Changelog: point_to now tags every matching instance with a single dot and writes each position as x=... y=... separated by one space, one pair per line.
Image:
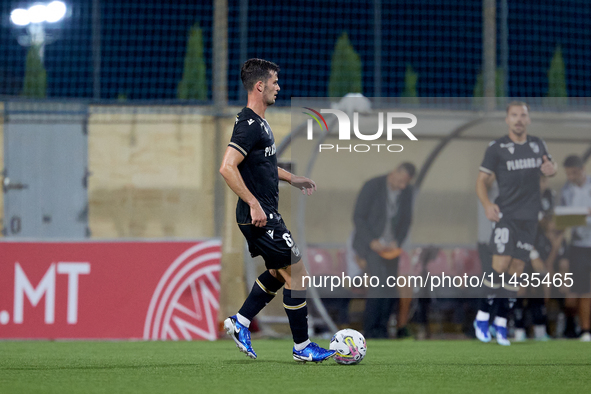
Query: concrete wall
x=153 y=171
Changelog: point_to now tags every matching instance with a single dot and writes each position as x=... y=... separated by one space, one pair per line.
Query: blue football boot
x=481 y=330
x=312 y=352
x=492 y=329
x=240 y=334
x=501 y=335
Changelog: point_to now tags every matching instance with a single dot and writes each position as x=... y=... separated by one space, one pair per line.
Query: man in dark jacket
x=382 y=218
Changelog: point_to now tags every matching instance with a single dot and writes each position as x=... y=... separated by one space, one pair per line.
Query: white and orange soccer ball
x=350 y=346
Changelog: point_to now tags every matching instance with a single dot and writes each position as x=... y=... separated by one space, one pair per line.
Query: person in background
x=577 y=193
x=382 y=218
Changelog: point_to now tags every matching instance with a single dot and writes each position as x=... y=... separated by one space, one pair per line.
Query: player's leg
x=580 y=267
x=295 y=304
x=519 y=315
x=378 y=306
x=371 y=317
x=506 y=295
x=540 y=319
x=485 y=304
x=585 y=317
x=570 y=312
x=402 y=320
x=515 y=239
x=495 y=298
x=263 y=291
x=504 y=304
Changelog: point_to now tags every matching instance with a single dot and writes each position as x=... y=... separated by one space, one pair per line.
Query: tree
x=557 y=80
x=345 y=69
x=499 y=88
x=193 y=85
x=35 y=83
x=499 y=84
x=409 y=93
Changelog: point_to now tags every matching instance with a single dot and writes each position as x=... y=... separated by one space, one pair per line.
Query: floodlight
x=20 y=17
x=56 y=11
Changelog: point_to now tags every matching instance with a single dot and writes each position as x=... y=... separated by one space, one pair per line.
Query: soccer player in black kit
x=517 y=160
x=250 y=169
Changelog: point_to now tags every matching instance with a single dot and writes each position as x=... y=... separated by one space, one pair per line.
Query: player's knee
x=277 y=275
x=299 y=269
x=501 y=263
x=516 y=267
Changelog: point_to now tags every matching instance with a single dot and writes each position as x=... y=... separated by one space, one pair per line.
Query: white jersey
x=575 y=196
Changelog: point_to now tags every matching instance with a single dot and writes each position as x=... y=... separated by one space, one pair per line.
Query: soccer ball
x=350 y=346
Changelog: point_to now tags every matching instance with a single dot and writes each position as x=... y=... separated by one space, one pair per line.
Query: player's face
x=518 y=119
x=398 y=179
x=575 y=175
x=271 y=89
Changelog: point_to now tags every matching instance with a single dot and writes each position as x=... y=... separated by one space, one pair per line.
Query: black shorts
x=514 y=238
x=273 y=242
x=485 y=255
x=580 y=266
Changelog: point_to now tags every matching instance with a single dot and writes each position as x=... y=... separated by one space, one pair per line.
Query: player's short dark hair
x=409 y=168
x=573 y=161
x=517 y=104
x=254 y=70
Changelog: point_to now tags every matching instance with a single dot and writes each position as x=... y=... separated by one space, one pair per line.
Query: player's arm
x=556 y=239
x=482 y=183
x=363 y=228
x=549 y=166
x=306 y=185
x=229 y=170
x=485 y=179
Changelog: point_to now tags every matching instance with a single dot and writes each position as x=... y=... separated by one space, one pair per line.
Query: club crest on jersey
x=535 y=147
x=510 y=147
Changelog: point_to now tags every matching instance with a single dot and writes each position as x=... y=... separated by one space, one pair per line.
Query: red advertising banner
x=110 y=290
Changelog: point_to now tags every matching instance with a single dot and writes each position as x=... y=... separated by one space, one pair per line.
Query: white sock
x=482 y=316
x=301 y=346
x=540 y=331
x=501 y=321
x=243 y=320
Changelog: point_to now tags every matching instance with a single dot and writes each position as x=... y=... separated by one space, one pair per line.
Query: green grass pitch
x=217 y=367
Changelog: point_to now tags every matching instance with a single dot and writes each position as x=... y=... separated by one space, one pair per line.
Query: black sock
x=297 y=313
x=485 y=304
x=570 y=328
x=518 y=313
x=505 y=306
x=538 y=308
x=492 y=292
x=263 y=291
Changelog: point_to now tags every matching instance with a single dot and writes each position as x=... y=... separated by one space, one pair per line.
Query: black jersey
x=252 y=136
x=517 y=169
